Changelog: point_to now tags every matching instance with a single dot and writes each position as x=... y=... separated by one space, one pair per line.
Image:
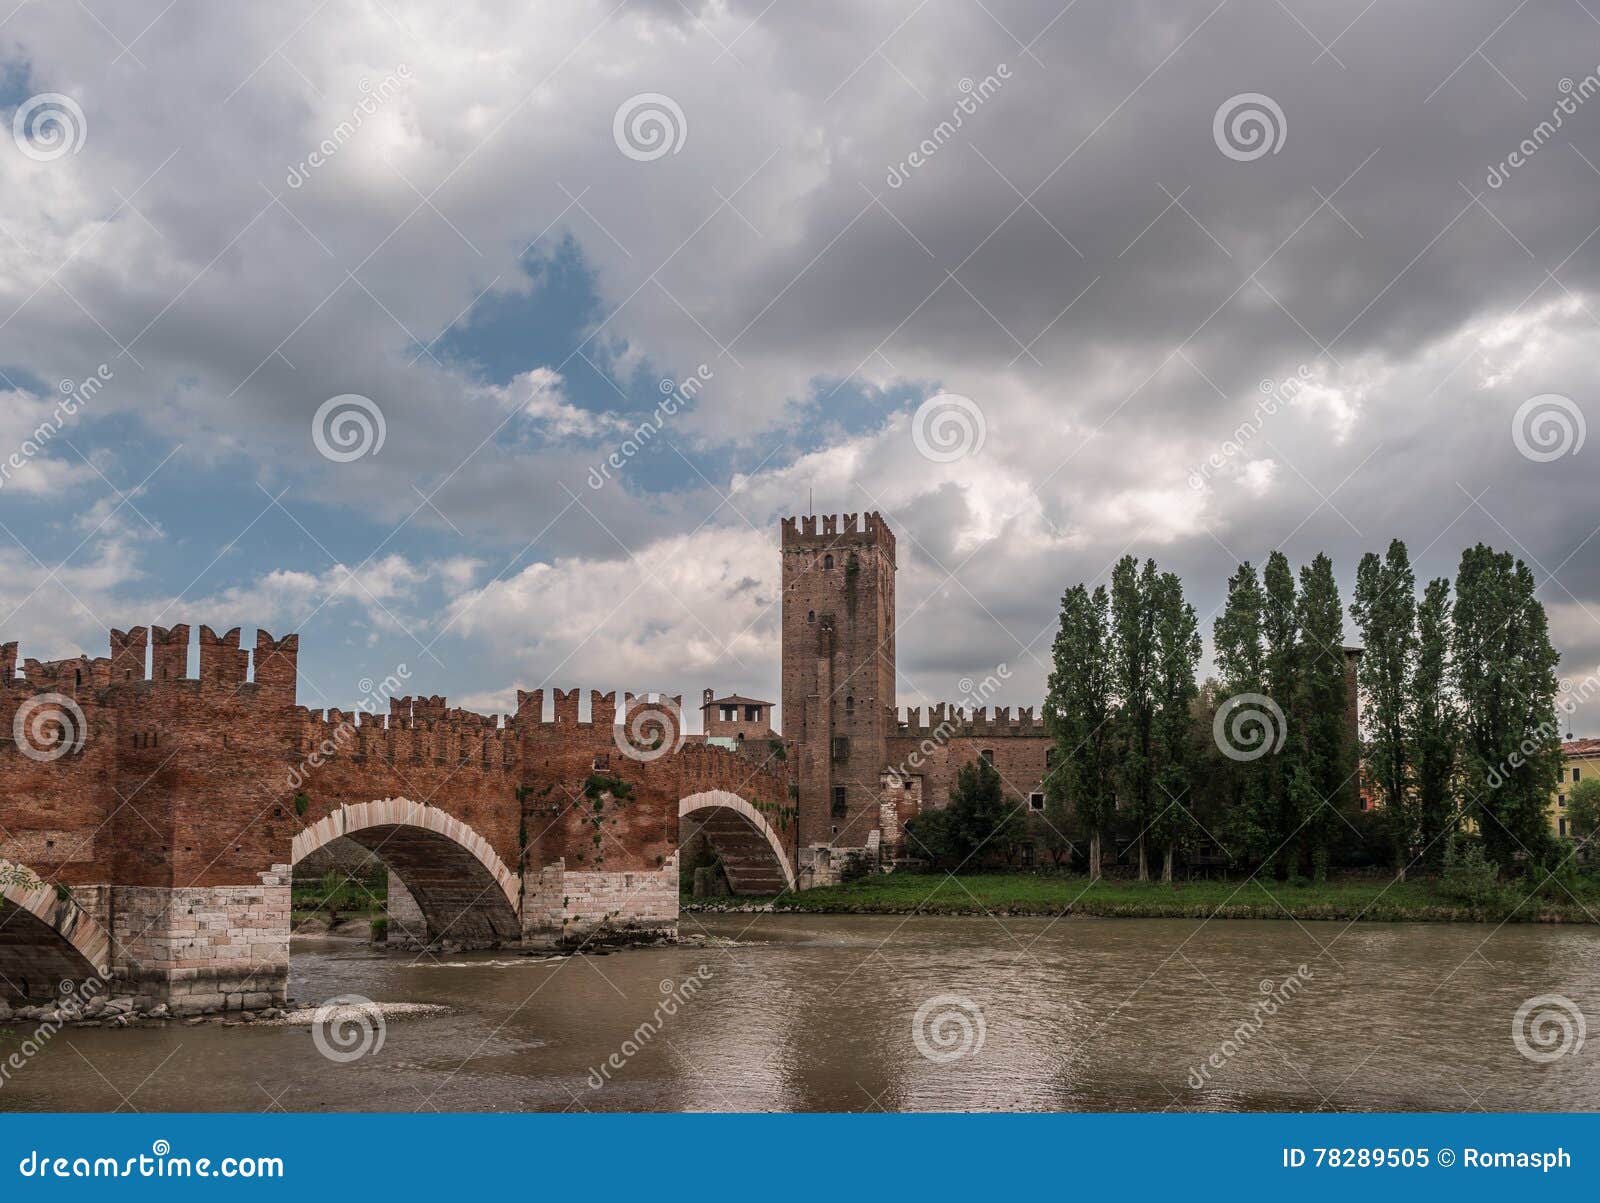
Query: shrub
x=1469 y=876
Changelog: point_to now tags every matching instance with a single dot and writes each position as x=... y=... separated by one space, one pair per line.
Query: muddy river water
x=849 y=1013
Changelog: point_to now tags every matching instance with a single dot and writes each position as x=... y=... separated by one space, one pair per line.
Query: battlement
x=222 y=662
x=602 y=707
x=837 y=530
x=947 y=721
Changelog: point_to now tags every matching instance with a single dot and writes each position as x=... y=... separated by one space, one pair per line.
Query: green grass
x=1050 y=894
x=347 y=897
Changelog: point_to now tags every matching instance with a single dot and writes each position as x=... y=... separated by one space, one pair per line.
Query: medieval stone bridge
x=150 y=821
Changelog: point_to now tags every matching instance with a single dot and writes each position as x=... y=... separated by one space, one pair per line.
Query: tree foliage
x=979 y=821
x=1434 y=721
x=1583 y=810
x=1504 y=673
x=1384 y=608
x=1077 y=714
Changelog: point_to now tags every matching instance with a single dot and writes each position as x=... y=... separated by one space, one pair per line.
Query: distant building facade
x=736 y=717
x=1580 y=759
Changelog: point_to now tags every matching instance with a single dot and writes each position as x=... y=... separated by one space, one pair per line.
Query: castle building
x=736 y=718
x=859 y=768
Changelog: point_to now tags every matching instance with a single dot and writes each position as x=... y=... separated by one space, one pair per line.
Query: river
x=790 y=1012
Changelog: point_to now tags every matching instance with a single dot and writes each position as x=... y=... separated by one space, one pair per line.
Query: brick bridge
x=150 y=821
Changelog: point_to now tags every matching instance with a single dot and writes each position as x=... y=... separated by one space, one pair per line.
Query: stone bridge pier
x=150 y=819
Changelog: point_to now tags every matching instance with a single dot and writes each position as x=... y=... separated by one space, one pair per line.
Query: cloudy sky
x=1113 y=230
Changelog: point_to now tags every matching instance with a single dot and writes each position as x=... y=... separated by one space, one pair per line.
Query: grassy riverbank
x=1043 y=894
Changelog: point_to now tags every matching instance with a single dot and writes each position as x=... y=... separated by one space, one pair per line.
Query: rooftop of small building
x=734 y=699
x=1581 y=747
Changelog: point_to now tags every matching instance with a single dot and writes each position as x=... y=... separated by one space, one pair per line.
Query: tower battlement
x=817 y=531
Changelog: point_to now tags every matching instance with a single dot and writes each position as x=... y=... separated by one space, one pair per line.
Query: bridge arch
x=46 y=939
x=465 y=891
x=753 y=856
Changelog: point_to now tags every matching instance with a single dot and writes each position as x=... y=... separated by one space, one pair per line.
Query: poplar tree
x=1322 y=773
x=1177 y=656
x=1132 y=665
x=1281 y=652
x=1238 y=638
x=1384 y=608
x=1078 y=715
x=1433 y=724
x=1504 y=671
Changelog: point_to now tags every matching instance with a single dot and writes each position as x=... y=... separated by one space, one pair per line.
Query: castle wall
x=931 y=752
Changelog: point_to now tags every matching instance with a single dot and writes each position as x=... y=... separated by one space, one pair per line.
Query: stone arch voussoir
x=712 y=800
x=88 y=940
x=402 y=813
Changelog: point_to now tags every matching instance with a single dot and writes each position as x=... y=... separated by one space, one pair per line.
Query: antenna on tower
x=809 y=510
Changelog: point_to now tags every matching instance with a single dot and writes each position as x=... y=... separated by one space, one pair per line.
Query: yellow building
x=1580 y=758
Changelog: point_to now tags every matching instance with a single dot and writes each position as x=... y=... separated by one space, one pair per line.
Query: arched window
x=850 y=704
x=811 y=616
x=827 y=563
x=988 y=755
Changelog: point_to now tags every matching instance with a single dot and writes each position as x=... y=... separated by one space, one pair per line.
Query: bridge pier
x=203 y=949
x=563 y=907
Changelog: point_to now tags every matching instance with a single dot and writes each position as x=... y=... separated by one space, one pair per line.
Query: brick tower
x=838 y=672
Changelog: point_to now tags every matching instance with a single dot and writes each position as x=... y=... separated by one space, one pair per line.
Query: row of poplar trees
x=1458 y=699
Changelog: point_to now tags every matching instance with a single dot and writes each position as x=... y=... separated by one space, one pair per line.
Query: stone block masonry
x=568 y=907
x=205 y=949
